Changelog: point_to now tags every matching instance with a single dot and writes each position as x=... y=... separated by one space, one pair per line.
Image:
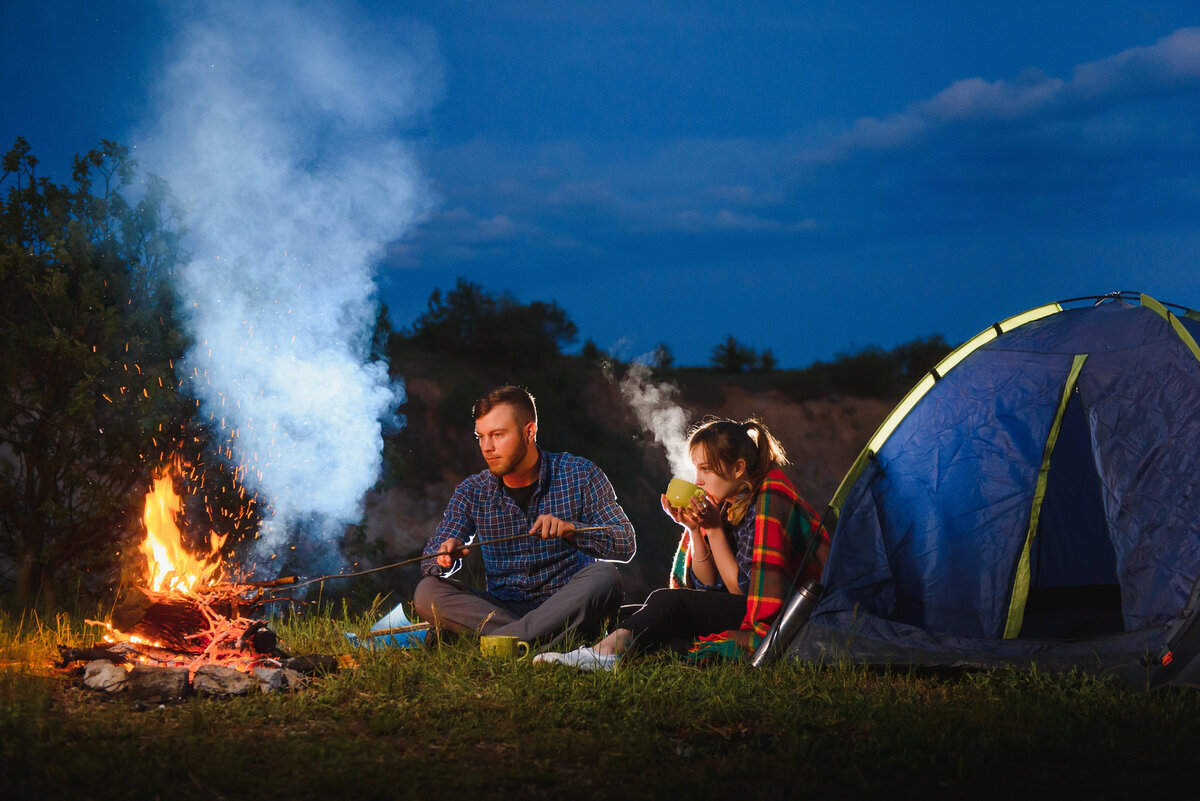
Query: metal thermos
x=788 y=623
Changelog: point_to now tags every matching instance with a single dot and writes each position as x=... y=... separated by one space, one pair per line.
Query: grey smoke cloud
x=280 y=126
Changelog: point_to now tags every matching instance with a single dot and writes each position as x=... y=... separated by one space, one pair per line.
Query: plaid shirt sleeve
x=617 y=542
x=457 y=523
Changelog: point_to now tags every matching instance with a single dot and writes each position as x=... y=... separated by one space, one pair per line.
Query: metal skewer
x=290 y=581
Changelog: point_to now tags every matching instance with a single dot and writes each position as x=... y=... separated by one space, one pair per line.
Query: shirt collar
x=543 y=478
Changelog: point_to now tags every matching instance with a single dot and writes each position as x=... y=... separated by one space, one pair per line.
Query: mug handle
x=522 y=644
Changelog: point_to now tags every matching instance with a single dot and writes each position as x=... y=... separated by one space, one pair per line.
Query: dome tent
x=1034 y=500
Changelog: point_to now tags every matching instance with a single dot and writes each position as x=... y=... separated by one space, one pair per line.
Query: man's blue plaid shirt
x=530 y=568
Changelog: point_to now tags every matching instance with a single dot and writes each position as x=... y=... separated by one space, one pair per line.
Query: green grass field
x=444 y=722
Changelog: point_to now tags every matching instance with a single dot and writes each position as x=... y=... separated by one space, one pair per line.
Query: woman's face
x=709 y=475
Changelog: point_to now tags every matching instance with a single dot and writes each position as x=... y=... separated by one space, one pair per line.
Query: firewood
x=183 y=622
x=105 y=651
x=311 y=664
x=160 y=617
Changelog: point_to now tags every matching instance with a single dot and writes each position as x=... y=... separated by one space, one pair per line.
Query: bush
x=474 y=325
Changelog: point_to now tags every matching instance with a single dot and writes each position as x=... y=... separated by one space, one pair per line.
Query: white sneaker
x=583 y=658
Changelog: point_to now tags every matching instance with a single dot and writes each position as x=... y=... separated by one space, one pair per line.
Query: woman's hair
x=726 y=441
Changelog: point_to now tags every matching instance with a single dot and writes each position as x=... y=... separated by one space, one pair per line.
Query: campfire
x=183 y=613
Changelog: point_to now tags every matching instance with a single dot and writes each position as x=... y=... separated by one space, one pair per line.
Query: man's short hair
x=523 y=404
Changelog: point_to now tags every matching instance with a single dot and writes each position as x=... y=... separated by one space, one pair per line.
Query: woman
x=741 y=548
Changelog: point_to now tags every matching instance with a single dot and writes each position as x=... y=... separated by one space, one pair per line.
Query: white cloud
x=1170 y=66
x=1032 y=147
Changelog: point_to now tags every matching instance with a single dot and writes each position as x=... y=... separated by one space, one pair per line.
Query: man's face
x=502 y=441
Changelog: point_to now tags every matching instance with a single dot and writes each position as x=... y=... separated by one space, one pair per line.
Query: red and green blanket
x=784 y=526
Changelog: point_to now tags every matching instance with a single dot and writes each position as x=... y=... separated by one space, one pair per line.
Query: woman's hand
x=699 y=513
x=680 y=516
x=701 y=516
x=706 y=513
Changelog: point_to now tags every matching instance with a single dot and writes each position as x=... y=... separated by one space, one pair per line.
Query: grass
x=444 y=721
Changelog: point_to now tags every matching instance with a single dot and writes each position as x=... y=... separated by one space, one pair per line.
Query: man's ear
x=531 y=433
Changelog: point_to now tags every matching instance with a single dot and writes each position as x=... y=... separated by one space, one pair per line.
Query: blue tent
x=1034 y=500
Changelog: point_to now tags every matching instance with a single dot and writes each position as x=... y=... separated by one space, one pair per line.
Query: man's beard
x=504 y=468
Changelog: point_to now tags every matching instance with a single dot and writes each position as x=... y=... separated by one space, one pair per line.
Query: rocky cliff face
x=822 y=437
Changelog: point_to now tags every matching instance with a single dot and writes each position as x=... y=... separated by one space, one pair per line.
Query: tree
x=472 y=324
x=918 y=357
x=872 y=371
x=591 y=352
x=87 y=342
x=731 y=356
x=767 y=361
x=661 y=358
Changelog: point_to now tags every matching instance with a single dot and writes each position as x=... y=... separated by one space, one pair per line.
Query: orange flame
x=169 y=566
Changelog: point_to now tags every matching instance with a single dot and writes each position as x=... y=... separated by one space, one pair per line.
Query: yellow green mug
x=680 y=493
x=503 y=646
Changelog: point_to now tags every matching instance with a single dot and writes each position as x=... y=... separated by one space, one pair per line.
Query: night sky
x=811 y=178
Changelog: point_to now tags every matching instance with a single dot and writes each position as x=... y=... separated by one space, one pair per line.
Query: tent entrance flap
x=1073 y=589
x=1021 y=580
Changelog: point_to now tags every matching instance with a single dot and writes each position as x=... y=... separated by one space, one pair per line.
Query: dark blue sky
x=809 y=177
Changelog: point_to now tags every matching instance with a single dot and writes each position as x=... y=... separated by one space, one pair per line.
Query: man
x=539 y=587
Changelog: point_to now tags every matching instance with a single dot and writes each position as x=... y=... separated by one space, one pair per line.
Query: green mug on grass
x=503 y=646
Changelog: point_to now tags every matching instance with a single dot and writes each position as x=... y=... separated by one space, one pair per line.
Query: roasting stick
x=454 y=552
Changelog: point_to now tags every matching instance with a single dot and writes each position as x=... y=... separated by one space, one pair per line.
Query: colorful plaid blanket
x=784 y=526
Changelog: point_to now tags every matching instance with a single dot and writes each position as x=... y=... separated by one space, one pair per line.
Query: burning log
x=110 y=652
x=169 y=618
x=203 y=626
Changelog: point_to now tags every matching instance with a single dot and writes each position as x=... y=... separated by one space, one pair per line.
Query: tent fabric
x=947 y=548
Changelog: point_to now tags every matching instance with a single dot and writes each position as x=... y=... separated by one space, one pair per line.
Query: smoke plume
x=280 y=126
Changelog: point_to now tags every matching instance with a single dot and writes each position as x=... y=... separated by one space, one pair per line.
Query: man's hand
x=550 y=526
x=445 y=550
